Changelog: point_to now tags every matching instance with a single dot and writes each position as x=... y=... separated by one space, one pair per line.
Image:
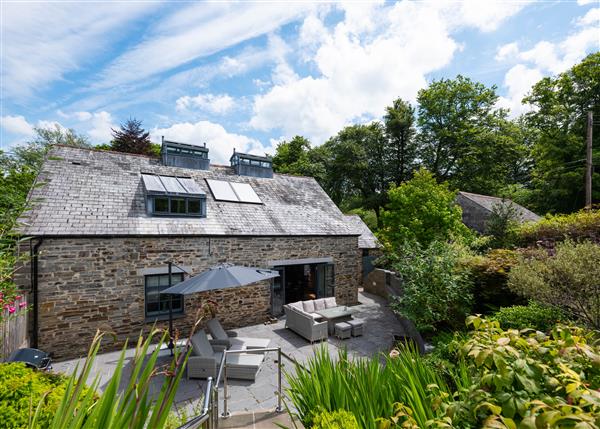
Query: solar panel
x=153 y=184
x=245 y=192
x=222 y=190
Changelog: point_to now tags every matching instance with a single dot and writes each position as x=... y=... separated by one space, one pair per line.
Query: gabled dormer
x=184 y=155
x=246 y=164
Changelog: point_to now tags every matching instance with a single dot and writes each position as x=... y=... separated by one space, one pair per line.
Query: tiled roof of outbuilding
x=88 y=192
x=488 y=202
x=367 y=239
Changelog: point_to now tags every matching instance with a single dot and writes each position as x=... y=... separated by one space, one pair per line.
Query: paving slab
x=247 y=396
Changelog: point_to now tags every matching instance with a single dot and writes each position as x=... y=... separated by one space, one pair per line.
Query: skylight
x=232 y=191
x=170 y=185
x=173 y=196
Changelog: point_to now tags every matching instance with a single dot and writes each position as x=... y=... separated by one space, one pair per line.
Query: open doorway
x=301 y=282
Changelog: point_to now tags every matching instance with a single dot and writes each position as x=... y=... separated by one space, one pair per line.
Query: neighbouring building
x=476 y=210
x=104 y=226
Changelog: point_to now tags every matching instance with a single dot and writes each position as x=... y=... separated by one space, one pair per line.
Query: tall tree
x=132 y=138
x=560 y=111
x=299 y=158
x=399 y=122
x=357 y=166
x=464 y=137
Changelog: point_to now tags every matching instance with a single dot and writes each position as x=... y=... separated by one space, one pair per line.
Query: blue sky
x=248 y=74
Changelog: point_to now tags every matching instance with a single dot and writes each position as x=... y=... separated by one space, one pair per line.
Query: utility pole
x=588 y=169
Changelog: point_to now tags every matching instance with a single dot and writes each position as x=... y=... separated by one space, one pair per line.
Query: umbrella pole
x=171 y=344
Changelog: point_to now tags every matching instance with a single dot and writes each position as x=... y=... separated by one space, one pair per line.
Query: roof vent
x=245 y=164
x=184 y=155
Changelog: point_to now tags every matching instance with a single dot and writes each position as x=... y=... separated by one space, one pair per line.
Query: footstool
x=357 y=327
x=343 y=330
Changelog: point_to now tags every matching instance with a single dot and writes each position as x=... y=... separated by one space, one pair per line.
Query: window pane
x=161 y=205
x=156 y=303
x=193 y=206
x=178 y=205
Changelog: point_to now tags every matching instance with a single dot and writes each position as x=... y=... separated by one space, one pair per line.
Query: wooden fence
x=13 y=327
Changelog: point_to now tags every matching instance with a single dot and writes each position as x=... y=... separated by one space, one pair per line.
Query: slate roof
x=86 y=192
x=367 y=239
x=488 y=202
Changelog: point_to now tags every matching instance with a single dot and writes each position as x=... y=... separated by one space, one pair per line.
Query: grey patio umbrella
x=221 y=277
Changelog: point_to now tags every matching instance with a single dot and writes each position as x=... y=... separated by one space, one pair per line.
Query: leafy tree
x=356 y=166
x=401 y=149
x=132 y=138
x=561 y=105
x=464 y=137
x=297 y=157
x=422 y=210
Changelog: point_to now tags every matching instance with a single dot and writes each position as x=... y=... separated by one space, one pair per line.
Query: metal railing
x=209 y=417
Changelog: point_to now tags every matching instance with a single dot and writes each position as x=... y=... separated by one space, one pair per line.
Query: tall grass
x=366 y=387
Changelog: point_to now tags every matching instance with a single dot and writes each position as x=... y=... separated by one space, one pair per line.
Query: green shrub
x=422 y=210
x=534 y=316
x=519 y=379
x=22 y=388
x=502 y=224
x=489 y=273
x=568 y=279
x=340 y=419
x=436 y=289
x=580 y=225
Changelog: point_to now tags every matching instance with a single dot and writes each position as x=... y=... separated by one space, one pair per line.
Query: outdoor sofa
x=206 y=358
x=221 y=337
x=301 y=318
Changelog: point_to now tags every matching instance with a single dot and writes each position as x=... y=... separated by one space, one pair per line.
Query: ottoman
x=343 y=330
x=357 y=327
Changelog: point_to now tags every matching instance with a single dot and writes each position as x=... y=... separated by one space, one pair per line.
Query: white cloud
x=519 y=80
x=585 y=2
x=198 y=31
x=484 y=15
x=44 y=41
x=507 y=52
x=592 y=17
x=217 y=104
x=97 y=125
x=358 y=76
x=219 y=141
x=17 y=125
x=546 y=57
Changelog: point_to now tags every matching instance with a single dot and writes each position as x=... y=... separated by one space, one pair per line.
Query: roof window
x=184 y=155
x=173 y=196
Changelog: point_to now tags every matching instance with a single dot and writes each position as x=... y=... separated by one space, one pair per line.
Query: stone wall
x=90 y=283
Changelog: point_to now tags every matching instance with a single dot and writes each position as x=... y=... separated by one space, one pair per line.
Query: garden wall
x=98 y=283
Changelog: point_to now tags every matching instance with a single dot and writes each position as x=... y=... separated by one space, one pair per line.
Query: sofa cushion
x=308 y=306
x=216 y=330
x=296 y=305
x=330 y=302
x=200 y=345
x=320 y=304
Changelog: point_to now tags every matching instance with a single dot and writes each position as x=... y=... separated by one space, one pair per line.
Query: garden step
x=257 y=420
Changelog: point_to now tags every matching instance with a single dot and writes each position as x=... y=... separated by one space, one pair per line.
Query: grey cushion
x=330 y=302
x=216 y=330
x=200 y=344
x=297 y=305
x=319 y=304
x=308 y=306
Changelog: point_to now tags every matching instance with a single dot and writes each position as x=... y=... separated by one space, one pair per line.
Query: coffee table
x=335 y=315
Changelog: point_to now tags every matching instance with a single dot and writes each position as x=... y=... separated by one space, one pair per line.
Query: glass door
x=278 y=292
x=324 y=280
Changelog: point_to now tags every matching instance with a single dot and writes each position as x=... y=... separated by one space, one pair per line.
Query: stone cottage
x=477 y=208
x=105 y=225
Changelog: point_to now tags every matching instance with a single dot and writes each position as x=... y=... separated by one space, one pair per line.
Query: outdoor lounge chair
x=205 y=359
x=220 y=337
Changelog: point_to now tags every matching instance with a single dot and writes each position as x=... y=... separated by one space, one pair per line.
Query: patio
x=248 y=396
